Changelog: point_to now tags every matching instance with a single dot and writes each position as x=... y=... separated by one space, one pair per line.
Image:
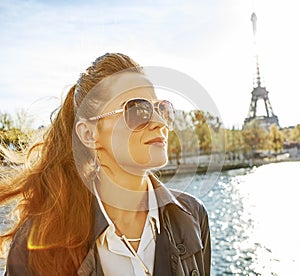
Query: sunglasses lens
x=166 y=110
x=138 y=113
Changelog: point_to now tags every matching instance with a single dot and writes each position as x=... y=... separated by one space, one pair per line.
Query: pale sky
x=45 y=45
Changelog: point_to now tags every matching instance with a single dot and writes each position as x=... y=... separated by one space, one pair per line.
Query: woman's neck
x=125 y=200
x=123 y=191
x=125 y=179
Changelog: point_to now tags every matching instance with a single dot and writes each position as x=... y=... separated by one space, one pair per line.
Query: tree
x=6 y=121
x=234 y=142
x=23 y=120
x=15 y=134
x=174 y=146
x=202 y=130
x=255 y=138
x=275 y=139
x=183 y=141
x=295 y=134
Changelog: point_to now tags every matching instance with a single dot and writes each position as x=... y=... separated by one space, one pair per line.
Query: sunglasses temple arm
x=105 y=115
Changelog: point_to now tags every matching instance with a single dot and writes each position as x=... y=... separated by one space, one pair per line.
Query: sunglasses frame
x=122 y=110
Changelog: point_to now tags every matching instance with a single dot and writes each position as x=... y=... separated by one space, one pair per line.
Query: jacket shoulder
x=198 y=232
x=192 y=204
x=17 y=259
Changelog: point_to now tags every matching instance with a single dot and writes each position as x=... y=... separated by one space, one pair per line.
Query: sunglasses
x=138 y=112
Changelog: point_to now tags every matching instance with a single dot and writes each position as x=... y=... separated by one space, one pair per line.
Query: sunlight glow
x=273 y=225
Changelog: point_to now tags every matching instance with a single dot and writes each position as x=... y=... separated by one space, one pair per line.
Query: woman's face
x=133 y=151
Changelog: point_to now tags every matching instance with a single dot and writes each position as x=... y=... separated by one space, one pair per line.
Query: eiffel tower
x=259 y=95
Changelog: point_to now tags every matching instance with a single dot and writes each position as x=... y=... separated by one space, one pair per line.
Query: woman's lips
x=157 y=141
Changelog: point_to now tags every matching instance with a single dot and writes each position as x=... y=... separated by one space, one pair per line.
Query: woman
x=88 y=203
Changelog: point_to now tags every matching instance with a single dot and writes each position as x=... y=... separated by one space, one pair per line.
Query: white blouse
x=116 y=258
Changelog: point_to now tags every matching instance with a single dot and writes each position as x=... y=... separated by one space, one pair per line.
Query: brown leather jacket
x=182 y=247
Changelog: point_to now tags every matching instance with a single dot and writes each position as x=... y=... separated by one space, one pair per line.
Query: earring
x=97 y=164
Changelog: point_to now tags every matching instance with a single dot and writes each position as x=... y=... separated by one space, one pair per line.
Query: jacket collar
x=164 y=196
x=100 y=222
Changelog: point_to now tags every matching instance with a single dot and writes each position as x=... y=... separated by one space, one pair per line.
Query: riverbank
x=204 y=167
x=188 y=168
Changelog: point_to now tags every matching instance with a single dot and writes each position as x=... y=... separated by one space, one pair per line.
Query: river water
x=253 y=219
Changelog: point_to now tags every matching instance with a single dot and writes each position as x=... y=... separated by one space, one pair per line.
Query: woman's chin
x=139 y=168
x=157 y=163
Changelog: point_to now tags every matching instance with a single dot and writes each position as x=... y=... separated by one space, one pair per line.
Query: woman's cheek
x=125 y=147
x=147 y=156
x=139 y=153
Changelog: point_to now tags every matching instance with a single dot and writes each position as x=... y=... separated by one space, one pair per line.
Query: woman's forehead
x=130 y=85
x=128 y=81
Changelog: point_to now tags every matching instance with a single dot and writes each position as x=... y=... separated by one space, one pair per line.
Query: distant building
x=259 y=96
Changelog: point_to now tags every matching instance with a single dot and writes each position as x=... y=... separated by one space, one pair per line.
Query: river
x=253 y=219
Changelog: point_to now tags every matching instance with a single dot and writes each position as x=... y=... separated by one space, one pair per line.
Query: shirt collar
x=153 y=215
x=153 y=207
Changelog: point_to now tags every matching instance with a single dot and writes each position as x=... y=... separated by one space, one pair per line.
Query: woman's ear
x=86 y=133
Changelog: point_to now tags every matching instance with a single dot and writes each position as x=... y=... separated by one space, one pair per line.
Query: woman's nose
x=157 y=121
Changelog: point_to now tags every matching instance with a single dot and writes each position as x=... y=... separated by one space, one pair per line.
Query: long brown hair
x=50 y=192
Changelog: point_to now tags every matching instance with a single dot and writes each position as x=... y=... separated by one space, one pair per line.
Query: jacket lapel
x=162 y=264
x=91 y=265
